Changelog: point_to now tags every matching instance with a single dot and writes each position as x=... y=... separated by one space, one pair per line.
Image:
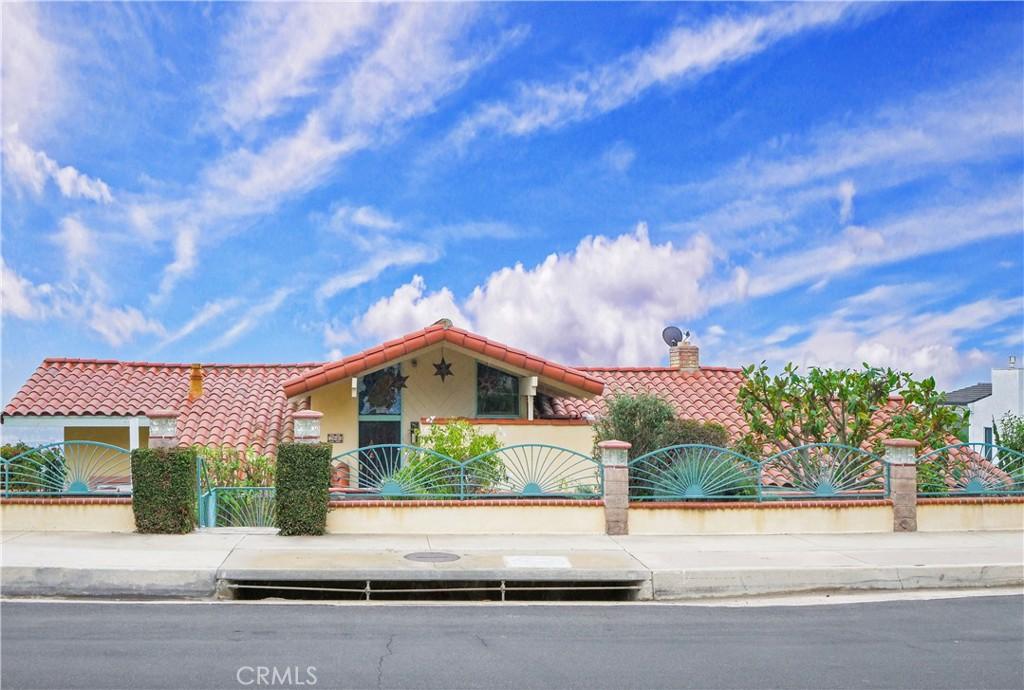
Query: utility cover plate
x=431 y=557
x=537 y=562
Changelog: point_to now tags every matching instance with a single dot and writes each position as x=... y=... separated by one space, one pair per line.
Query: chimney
x=195 y=383
x=685 y=356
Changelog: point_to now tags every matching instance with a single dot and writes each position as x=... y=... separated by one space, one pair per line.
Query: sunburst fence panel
x=72 y=468
x=971 y=469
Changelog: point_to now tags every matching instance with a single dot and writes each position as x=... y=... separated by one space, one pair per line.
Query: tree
x=649 y=423
x=849 y=407
x=1009 y=432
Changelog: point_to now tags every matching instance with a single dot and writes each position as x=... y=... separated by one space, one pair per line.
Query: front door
x=379 y=463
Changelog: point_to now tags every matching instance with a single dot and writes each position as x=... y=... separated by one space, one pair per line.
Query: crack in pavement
x=380 y=661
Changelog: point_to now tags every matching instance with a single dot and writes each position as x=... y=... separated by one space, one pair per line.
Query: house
x=389 y=393
x=986 y=403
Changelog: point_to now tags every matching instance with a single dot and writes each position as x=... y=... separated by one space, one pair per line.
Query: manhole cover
x=431 y=556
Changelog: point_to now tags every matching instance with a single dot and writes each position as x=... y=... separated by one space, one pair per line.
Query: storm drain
x=432 y=590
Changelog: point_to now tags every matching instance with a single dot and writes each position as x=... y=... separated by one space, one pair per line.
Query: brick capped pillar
x=614 y=459
x=163 y=429
x=901 y=459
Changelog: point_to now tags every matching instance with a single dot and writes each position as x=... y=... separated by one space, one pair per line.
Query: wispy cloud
x=32 y=169
x=206 y=314
x=685 y=53
x=373 y=266
x=251 y=318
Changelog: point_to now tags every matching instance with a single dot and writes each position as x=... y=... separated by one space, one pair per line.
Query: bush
x=228 y=466
x=460 y=441
x=303 y=476
x=649 y=423
x=164 y=490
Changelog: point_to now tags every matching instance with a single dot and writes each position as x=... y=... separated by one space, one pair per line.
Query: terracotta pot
x=340 y=476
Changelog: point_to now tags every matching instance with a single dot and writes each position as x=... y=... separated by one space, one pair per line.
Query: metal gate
x=232 y=506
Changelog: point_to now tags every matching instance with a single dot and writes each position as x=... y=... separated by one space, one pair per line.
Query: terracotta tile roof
x=708 y=394
x=353 y=365
x=242 y=404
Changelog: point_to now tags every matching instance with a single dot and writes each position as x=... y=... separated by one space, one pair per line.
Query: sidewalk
x=668 y=567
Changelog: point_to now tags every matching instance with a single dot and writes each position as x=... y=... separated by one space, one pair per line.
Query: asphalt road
x=951 y=643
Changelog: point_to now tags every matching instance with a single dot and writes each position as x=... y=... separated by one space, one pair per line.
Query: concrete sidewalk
x=667 y=567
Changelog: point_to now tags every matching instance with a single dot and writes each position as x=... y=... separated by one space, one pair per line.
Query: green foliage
x=43 y=470
x=303 y=476
x=425 y=473
x=459 y=439
x=227 y=466
x=843 y=406
x=164 y=490
x=1009 y=432
x=649 y=423
x=9 y=450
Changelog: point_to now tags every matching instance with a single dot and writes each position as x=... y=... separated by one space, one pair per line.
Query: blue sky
x=824 y=184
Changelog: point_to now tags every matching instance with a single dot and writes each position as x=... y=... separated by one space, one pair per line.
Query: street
x=975 y=642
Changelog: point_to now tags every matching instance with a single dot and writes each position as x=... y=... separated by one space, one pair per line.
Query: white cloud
x=207 y=313
x=277 y=53
x=119 y=325
x=781 y=334
x=408 y=309
x=619 y=157
x=185 y=260
x=30 y=168
x=917 y=232
x=33 y=86
x=343 y=218
x=253 y=317
x=351 y=83
x=684 y=53
x=373 y=267
x=845 y=192
x=590 y=306
x=19 y=297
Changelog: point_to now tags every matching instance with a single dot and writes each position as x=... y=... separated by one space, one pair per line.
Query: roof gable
x=378 y=356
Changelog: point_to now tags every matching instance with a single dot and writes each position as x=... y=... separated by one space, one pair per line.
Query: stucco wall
x=67 y=516
x=959 y=515
x=466 y=518
x=577 y=437
x=760 y=519
x=340 y=414
x=1007 y=396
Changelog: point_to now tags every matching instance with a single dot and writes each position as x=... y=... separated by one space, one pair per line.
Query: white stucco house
x=990 y=401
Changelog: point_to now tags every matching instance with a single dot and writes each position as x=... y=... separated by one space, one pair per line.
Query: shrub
x=459 y=440
x=649 y=423
x=303 y=476
x=228 y=466
x=164 y=490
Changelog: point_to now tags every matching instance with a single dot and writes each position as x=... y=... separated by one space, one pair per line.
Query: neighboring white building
x=990 y=401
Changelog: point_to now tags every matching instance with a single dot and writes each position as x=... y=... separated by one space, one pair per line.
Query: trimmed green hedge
x=164 y=490
x=303 y=477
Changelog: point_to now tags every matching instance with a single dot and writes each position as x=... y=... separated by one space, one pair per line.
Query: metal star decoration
x=443 y=369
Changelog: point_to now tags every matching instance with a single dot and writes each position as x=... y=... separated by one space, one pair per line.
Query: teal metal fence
x=399 y=471
x=232 y=506
x=697 y=472
x=971 y=469
x=69 y=468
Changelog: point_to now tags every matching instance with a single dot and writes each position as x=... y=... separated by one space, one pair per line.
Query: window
x=988 y=440
x=497 y=393
x=380 y=393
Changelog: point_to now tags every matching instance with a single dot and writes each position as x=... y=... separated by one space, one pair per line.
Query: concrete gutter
x=668 y=567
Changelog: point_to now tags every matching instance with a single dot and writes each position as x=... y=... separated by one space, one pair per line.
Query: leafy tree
x=1009 y=432
x=649 y=423
x=844 y=406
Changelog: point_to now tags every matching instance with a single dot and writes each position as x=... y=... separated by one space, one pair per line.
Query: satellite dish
x=672 y=336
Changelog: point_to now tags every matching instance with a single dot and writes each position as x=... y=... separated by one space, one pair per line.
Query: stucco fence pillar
x=615 y=460
x=901 y=462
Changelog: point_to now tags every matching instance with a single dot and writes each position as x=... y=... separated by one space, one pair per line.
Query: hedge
x=164 y=490
x=303 y=477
